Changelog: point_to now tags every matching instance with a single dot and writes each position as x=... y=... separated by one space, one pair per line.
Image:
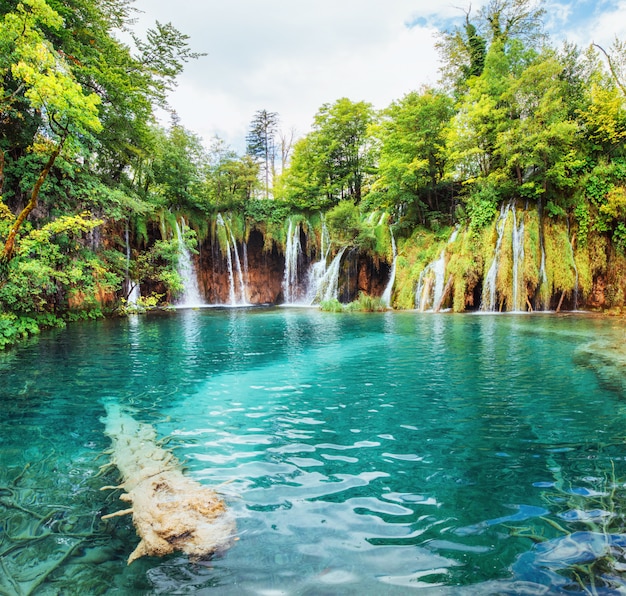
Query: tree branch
x=9 y=246
x=611 y=68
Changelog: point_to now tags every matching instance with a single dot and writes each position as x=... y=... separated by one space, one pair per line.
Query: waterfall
x=518 y=287
x=386 y=297
x=231 y=248
x=242 y=286
x=543 y=279
x=131 y=286
x=518 y=263
x=430 y=285
x=489 y=287
x=293 y=251
x=317 y=271
x=245 y=263
x=325 y=242
x=190 y=296
x=229 y=259
x=326 y=286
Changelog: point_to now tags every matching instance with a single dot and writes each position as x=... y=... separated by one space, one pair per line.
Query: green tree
x=413 y=155
x=229 y=180
x=334 y=160
x=42 y=77
x=177 y=168
x=538 y=147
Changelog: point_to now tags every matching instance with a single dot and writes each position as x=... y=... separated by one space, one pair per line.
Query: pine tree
x=261 y=143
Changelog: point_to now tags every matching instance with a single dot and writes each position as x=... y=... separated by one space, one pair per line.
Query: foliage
x=343 y=222
x=514 y=121
x=54 y=276
x=366 y=303
x=413 y=156
x=332 y=305
x=334 y=161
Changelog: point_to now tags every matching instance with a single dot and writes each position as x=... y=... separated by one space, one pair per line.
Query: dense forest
x=512 y=171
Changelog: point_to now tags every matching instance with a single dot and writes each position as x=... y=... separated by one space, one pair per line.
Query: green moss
x=504 y=279
x=222 y=235
x=465 y=265
x=414 y=254
x=597 y=247
x=560 y=266
x=532 y=251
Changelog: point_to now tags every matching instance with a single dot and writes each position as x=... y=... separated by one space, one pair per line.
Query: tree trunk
x=9 y=245
x=444 y=295
x=1 y=172
x=558 y=308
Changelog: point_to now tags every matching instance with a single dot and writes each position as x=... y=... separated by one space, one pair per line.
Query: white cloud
x=291 y=56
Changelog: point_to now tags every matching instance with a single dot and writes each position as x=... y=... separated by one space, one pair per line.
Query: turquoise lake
x=362 y=453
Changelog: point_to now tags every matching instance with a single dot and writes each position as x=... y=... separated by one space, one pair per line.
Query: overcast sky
x=292 y=56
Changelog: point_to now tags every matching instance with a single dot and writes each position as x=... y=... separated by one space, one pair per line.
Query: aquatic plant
x=332 y=305
x=366 y=303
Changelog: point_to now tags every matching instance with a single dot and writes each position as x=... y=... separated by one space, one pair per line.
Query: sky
x=293 y=56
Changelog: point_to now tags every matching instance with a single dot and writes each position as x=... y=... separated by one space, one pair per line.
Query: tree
x=464 y=49
x=177 y=168
x=334 y=160
x=42 y=78
x=261 y=143
x=538 y=146
x=229 y=180
x=413 y=154
x=463 y=52
x=341 y=138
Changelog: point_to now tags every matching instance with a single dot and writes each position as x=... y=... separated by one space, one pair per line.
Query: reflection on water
x=363 y=454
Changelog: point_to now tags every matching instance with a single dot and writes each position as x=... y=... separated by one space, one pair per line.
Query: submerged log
x=171 y=512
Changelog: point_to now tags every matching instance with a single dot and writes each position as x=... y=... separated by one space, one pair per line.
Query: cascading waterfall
x=242 y=287
x=327 y=287
x=229 y=260
x=245 y=263
x=518 y=288
x=191 y=292
x=518 y=263
x=489 y=286
x=133 y=291
x=430 y=285
x=231 y=250
x=293 y=251
x=317 y=271
x=386 y=297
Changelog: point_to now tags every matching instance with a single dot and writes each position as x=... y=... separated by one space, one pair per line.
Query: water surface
x=363 y=454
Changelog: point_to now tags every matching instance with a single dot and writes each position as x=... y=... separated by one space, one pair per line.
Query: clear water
x=365 y=454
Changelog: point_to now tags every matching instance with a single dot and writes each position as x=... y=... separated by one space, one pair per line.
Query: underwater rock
x=170 y=511
x=608 y=361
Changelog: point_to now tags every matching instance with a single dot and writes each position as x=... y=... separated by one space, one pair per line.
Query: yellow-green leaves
x=43 y=72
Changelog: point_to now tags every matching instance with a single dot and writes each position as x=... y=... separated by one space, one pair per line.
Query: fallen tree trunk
x=170 y=511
